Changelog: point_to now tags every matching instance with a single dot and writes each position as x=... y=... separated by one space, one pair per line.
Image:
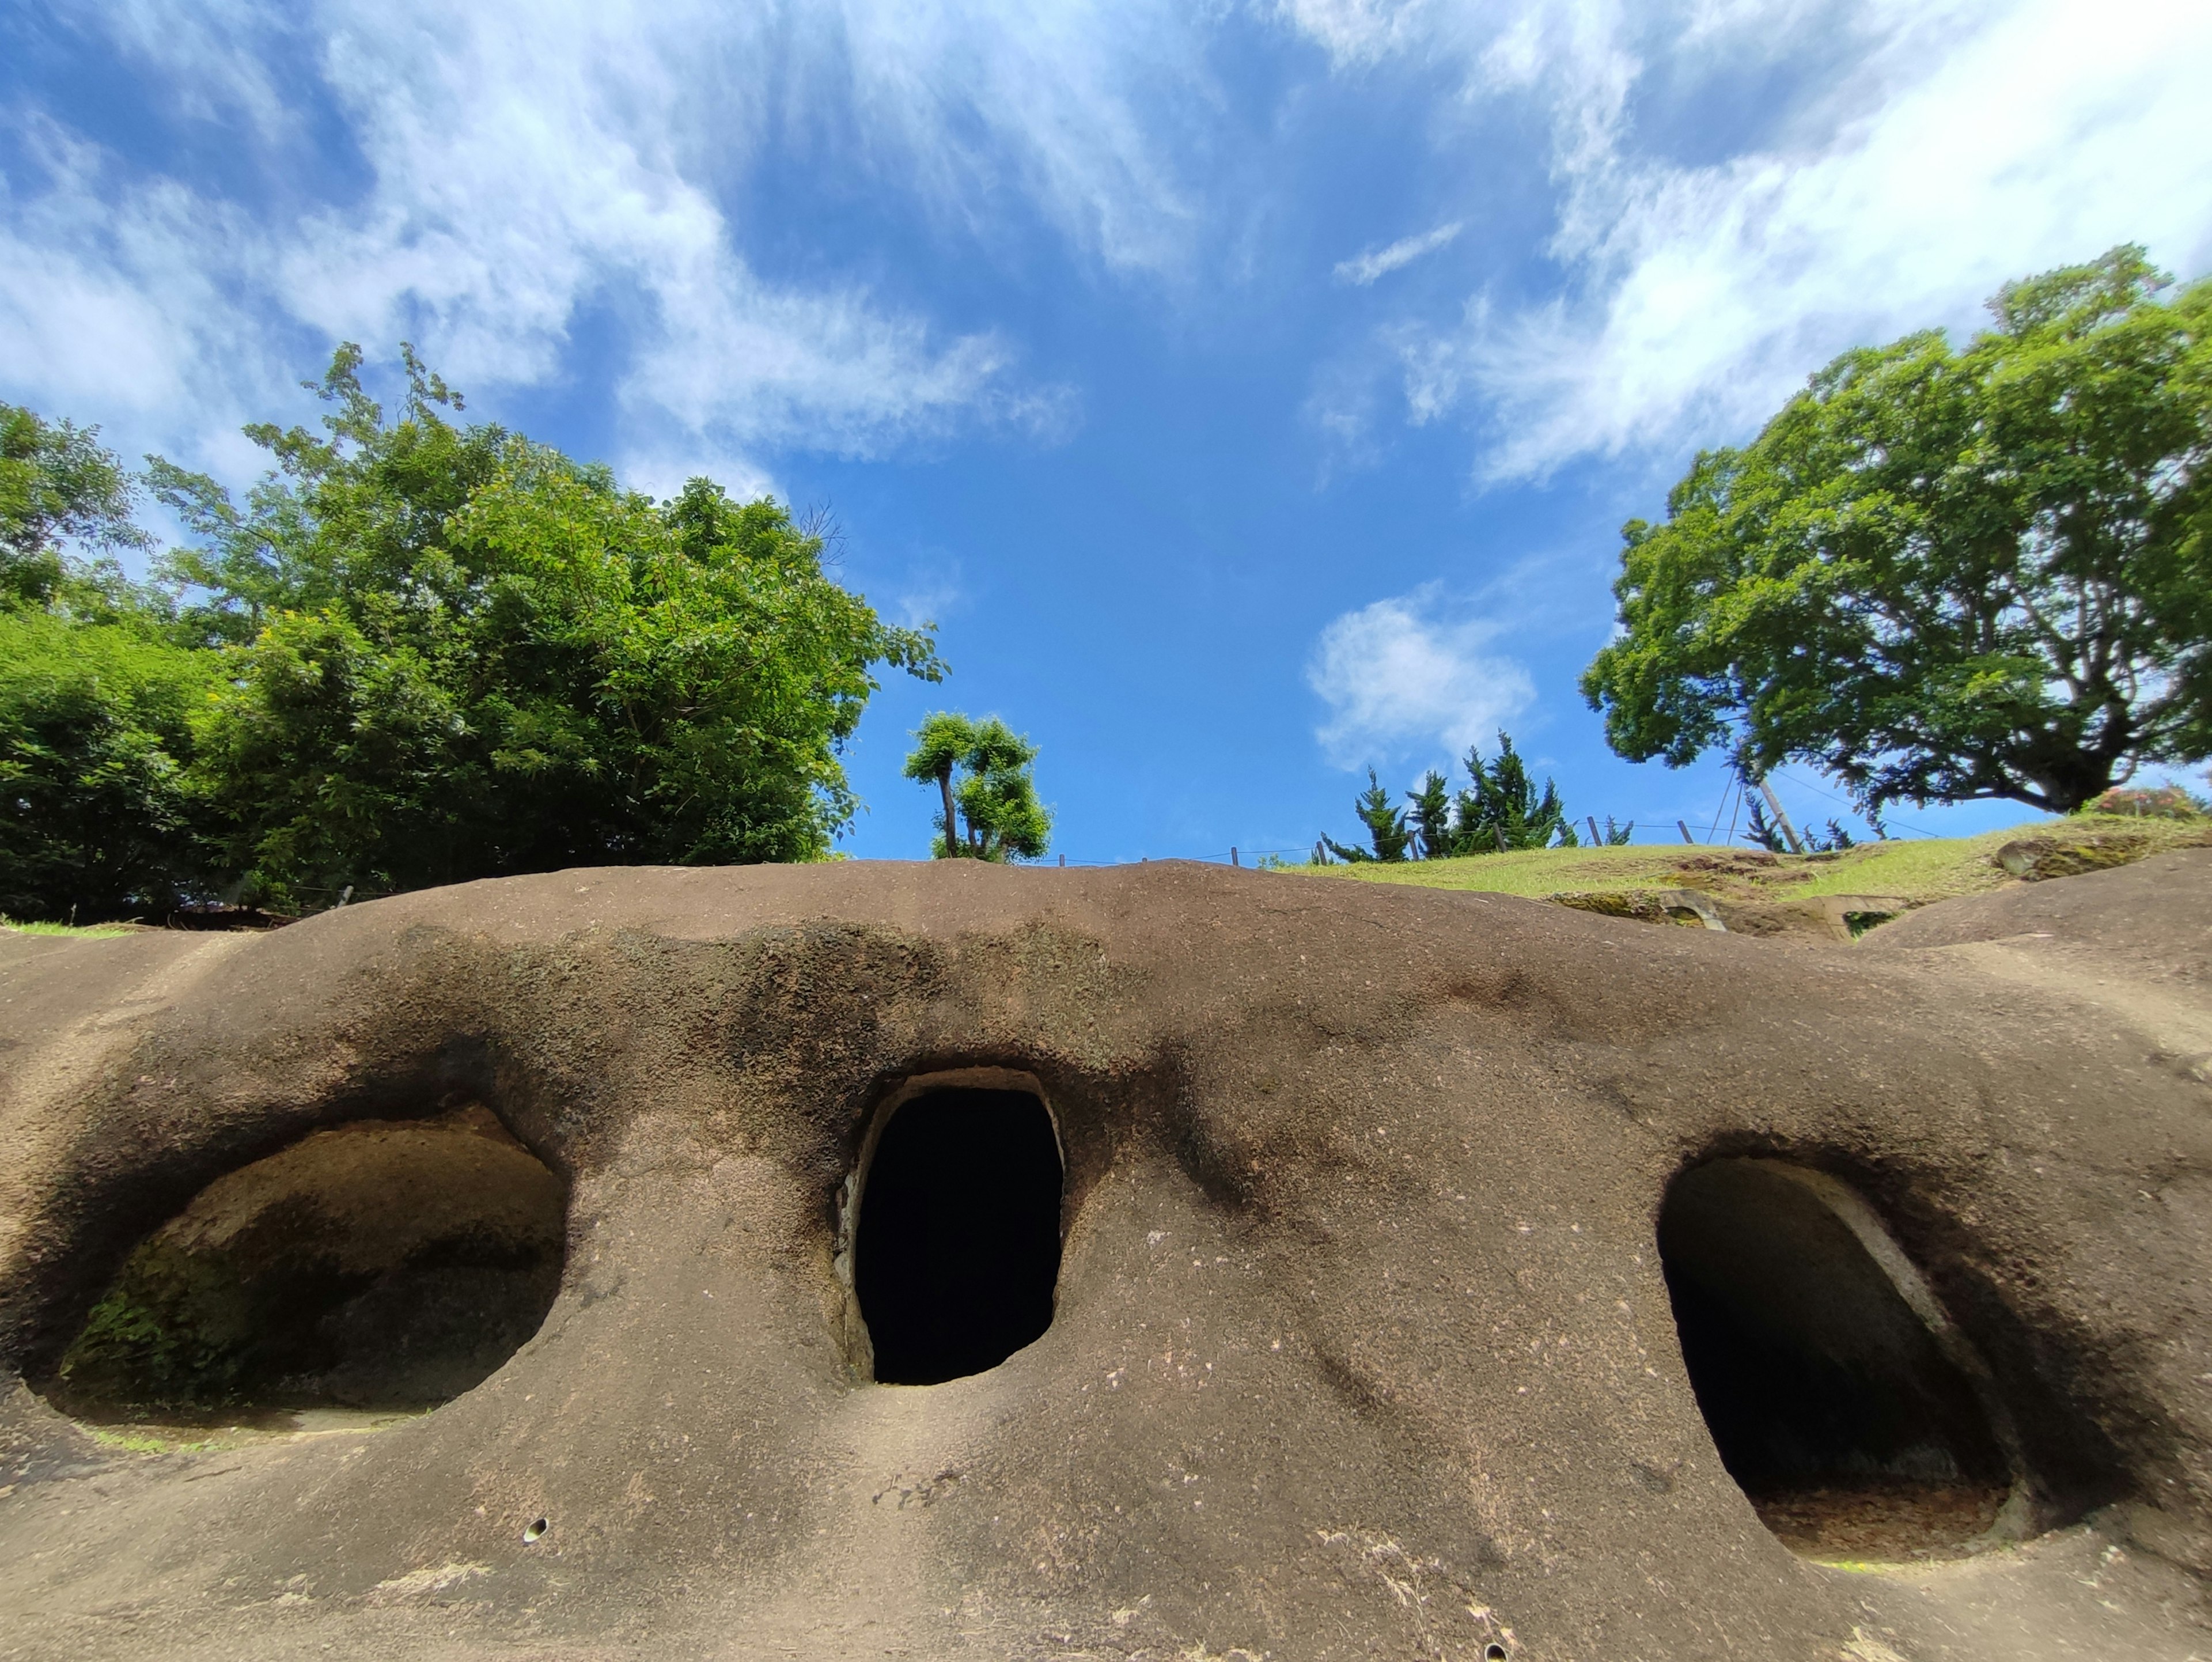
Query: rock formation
x=1298 y=1270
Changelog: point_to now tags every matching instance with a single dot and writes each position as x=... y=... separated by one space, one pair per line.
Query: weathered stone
x=1362 y=1339
x=2034 y=859
x=1686 y=906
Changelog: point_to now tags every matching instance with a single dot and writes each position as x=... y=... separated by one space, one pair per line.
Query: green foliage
x=452 y=652
x=419 y=652
x=97 y=703
x=174 y=1330
x=1946 y=573
x=97 y=813
x=1762 y=833
x=1503 y=810
x=1431 y=815
x=1386 y=827
x=57 y=486
x=995 y=796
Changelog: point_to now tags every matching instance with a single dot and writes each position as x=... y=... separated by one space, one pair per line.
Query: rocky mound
x=1283 y=1269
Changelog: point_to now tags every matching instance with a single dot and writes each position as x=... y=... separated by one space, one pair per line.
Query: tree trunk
x=951 y=824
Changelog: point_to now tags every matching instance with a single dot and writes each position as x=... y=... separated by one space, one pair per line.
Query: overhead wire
x=1847 y=802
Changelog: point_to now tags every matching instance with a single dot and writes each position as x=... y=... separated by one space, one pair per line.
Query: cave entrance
x=1855 y=1417
x=955 y=1251
x=378 y=1267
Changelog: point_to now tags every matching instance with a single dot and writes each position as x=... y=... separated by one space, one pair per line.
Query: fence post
x=1684 y=828
x=1233 y=860
x=1597 y=842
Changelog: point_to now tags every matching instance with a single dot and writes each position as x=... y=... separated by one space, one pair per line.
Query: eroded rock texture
x=1361 y=1342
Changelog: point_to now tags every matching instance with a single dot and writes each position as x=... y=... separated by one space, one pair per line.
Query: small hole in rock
x=537 y=1530
x=1829 y=1400
x=377 y=1268
x=957 y=1248
x=1493 y=1654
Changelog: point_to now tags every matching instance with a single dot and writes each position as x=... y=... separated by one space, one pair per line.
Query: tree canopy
x=424 y=652
x=59 y=487
x=1943 y=573
x=992 y=811
x=97 y=700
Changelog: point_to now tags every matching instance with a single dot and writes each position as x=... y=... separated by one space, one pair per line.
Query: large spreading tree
x=1944 y=573
x=419 y=651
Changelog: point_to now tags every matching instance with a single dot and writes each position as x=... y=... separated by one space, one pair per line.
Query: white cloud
x=522 y=163
x=2030 y=142
x=1364 y=269
x=1397 y=675
x=1090 y=103
x=1952 y=147
x=504 y=168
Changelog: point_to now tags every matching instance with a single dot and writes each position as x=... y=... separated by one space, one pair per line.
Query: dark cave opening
x=956 y=1252
x=1831 y=1402
x=383 y=1265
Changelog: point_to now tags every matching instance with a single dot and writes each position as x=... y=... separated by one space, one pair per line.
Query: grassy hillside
x=1920 y=870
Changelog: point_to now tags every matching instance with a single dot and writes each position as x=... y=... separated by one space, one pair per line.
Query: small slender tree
x=1386 y=827
x=1504 y=809
x=992 y=811
x=1431 y=815
x=940 y=743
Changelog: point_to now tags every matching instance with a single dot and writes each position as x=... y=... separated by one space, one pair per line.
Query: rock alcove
x=1841 y=1398
x=379 y=1265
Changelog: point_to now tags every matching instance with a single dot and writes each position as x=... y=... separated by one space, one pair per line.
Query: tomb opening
x=956 y=1249
x=1831 y=1383
x=379 y=1266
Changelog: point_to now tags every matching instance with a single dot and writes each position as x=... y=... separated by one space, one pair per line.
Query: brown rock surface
x=1362 y=1343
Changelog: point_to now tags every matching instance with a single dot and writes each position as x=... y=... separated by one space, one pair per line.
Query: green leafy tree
x=1386 y=827
x=452 y=652
x=98 y=817
x=1502 y=808
x=992 y=812
x=97 y=703
x=1945 y=574
x=59 y=487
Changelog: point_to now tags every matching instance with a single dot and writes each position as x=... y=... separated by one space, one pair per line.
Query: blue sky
x=1250 y=393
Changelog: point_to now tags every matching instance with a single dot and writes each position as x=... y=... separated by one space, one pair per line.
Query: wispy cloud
x=1380 y=262
x=519 y=164
x=1943 y=149
x=1403 y=674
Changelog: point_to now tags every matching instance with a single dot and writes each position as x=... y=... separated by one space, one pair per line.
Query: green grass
x=73 y=931
x=1921 y=869
x=145 y=1442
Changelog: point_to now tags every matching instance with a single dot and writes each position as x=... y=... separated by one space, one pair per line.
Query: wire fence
x=1724 y=827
